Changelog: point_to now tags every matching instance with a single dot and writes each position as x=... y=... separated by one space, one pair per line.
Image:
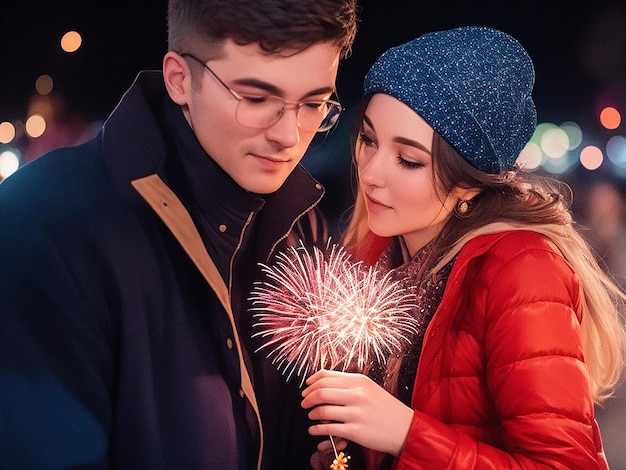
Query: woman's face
x=395 y=168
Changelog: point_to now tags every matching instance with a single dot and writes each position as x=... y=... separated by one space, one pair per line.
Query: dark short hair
x=275 y=25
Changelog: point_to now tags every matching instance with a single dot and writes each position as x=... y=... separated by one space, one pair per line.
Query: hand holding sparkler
x=356 y=408
x=323 y=311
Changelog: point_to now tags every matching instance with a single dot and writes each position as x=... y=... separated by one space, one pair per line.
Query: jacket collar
x=134 y=147
x=132 y=140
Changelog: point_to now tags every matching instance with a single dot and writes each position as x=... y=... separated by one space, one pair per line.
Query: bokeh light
x=35 y=125
x=44 y=84
x=616 y=150
x=7 y=132
x=554 y=142
x=530 y=157
x=591 y=157
x=71 y=41
x=541 y=128
x=610 y=118
x=9 y=163
x=558 y=165
x=574 y=134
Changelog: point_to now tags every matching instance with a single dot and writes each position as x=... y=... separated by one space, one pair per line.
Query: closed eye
x=409 y=164
x=314 y=105
x=365 y=140
x=255 y=99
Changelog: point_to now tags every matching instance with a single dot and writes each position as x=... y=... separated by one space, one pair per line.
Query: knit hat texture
x=472 y=84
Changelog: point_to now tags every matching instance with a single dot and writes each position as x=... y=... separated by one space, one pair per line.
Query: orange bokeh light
x=610 y=118
x=35 y=125
x=71 y=41
x=7 y=132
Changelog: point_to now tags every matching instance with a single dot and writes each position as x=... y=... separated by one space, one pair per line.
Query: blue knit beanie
x=471 y=84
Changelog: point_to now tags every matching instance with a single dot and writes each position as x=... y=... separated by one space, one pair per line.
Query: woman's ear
x=177 y=77
x=464 y=194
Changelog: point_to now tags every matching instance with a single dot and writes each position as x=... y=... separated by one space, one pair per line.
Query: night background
x=579 y=48
x=579 y=51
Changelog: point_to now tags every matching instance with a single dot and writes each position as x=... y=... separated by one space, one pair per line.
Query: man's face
x=259 y=160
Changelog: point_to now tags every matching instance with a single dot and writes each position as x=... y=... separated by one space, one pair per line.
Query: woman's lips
x=374 y=205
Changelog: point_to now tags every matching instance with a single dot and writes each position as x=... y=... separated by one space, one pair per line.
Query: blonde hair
x=516 y=200
x=603 y=303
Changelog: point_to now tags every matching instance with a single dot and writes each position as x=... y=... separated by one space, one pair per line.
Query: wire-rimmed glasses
x=261 y=112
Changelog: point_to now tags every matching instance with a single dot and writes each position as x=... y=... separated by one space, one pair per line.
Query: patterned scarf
x=428 y=290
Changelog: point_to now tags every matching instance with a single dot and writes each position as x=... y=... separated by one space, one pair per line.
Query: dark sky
x=123 y=37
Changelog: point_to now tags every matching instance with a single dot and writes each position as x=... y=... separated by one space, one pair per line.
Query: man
x=126 y=263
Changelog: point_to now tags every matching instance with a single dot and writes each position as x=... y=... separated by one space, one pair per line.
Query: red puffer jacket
x=501 y=381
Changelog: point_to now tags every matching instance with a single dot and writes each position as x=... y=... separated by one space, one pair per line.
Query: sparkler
x=321 y=310
x=328 y=312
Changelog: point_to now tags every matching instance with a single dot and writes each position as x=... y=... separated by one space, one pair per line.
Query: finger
x=329 y=396
x=321 y=460
x=334 y=379
x=319 y=380
x=325 y=374
x=331 y=413
x=316 y=462
x=317 y=394
x=327 y=445
x=316 y=376
x=337 y=430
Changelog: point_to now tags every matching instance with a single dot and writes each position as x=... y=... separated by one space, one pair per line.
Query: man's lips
x=269 y=158
x=269 y=161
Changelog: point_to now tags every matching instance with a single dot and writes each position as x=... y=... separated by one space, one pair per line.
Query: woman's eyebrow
x=412 y=143
x=368 y=121
x=398 y=139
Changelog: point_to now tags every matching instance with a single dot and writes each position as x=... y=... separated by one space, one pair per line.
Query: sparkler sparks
x=323 y=311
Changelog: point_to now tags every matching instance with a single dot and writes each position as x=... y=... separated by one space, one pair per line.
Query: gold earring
x=462 y=207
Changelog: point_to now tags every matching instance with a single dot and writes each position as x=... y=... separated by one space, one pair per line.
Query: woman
x=522 y=330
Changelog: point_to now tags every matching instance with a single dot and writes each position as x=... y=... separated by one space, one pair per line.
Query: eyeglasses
x=261 y=112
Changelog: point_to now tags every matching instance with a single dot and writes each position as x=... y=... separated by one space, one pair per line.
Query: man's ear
x=177 y=77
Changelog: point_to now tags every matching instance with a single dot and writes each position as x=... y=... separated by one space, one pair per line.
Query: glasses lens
x=312 y=114
x=260 y=113
x=333 y=110
x=263 y=112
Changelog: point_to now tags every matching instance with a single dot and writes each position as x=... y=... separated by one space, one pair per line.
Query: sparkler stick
x=320 y=310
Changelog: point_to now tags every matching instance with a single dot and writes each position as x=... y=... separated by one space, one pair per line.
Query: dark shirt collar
x=217 y=200
x=218 y=205
x=210 y=188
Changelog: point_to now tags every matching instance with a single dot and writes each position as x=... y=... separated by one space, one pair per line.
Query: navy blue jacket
x=117 y=338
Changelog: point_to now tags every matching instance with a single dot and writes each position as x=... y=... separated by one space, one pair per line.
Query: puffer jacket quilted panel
x=502 y=381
